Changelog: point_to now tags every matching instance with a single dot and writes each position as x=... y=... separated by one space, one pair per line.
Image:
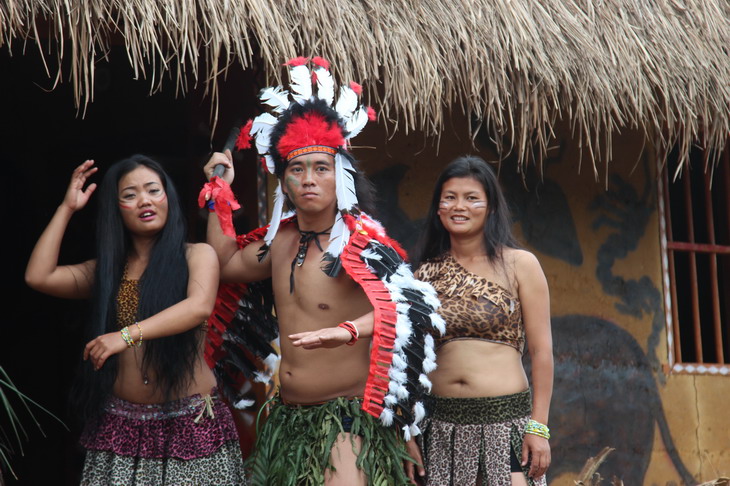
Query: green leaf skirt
x=294 y=445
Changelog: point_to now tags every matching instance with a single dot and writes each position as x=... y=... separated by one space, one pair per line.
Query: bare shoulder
x=199 y=251
x=525 y=264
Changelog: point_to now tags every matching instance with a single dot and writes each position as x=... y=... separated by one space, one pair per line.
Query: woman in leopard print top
x=147 y=396
x=493 y=295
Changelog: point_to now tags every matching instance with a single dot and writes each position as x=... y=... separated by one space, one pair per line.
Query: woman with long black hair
x=145 y=393
x=485 y=426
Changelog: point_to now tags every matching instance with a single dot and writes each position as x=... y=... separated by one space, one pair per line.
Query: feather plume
x=261 y=130
x=275 y=215
x=419 y=412
x=276 y=97
x=325 y=85
x=321 y=62
x=301 y=83
x=344 y=184
x=269 y=163
x=244 y=136
x=386 y=417
x=346 y=103
x=339 y=236
x=244 y=403
x=406 y=433
x=358 y=121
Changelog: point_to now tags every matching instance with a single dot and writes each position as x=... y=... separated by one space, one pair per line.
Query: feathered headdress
x=306 y=119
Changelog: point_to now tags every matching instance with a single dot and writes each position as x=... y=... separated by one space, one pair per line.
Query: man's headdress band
x=312 y=149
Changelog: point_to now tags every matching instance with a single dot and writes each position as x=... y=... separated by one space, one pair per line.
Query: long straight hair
x=435 y=239
x=163 y=284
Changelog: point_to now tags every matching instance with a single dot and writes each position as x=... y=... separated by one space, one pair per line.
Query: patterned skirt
x=469 y=438
x=190 y=441
x=293 y=447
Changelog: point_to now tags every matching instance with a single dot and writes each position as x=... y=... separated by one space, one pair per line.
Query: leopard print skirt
x=191 y=441
x=466 y=439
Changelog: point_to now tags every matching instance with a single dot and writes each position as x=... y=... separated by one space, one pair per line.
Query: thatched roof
x=661 y=66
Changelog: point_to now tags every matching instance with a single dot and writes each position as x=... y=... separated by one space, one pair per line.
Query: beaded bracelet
x=536 y=428
x=127 y=338
x=139 y=326
x=350 y=327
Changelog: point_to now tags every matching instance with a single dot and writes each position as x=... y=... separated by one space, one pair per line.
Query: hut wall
x=600 y=249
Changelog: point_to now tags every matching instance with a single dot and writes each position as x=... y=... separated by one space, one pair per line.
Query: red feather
x=310 y=129
x=371 y=114
x=244 y=136
x=321 y=62
x=297 y=61
x=314 y=77
x=356 y=87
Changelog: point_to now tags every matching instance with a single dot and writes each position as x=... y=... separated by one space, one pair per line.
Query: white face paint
x=463 y=206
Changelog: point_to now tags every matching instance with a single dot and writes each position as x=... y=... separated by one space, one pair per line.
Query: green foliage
x=294 y=446
x=18 y=433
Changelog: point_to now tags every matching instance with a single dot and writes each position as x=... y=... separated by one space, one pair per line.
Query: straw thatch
x=660 y=66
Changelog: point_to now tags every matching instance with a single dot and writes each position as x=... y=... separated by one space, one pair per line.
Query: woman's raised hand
x=222 y=158
x=76 y=197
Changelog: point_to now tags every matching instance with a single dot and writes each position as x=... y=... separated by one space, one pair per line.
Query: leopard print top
x=127 y=302
x=472 y=306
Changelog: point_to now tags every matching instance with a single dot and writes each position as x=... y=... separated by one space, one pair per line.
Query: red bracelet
x=350 y=327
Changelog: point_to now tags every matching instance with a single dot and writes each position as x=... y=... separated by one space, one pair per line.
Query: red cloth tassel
x=220 y=193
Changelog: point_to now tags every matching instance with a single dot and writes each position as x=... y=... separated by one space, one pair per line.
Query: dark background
x=43 y=137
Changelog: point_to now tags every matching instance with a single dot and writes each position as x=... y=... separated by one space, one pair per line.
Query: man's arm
x=236 y=264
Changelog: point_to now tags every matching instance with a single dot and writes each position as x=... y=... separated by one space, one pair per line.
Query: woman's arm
x=535 y=299
x=186 y=314
x=43 y=273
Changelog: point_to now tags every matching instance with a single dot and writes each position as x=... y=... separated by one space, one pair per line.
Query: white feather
x=414 y=431
x=438 y=323
x=399 y=343
x=428 y=345
x=325 y=85
x=386 y=417
x=275 y=215
x=344 y=184
x=406 y=433
x=261 y=131
x=261 y=377
x=419 y=412
x=301 y=83
x=369 y=254
x=241 y=404
x=402 y=392
x=397 y=375
x=429 y=365
x=346 y=102
x=399 y=362
x=270 y=165
x=402 y=329
x=272 y=361
x=276 y=97
x=358 y=121
x=339 y=236
x=424 y=381
x=390 y=400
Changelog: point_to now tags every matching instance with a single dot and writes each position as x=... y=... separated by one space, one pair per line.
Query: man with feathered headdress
x=355 y=346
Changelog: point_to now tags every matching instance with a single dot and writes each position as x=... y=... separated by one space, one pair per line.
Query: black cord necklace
x=304 y=239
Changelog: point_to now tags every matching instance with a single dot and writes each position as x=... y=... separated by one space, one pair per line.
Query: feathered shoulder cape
x=402 y=353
